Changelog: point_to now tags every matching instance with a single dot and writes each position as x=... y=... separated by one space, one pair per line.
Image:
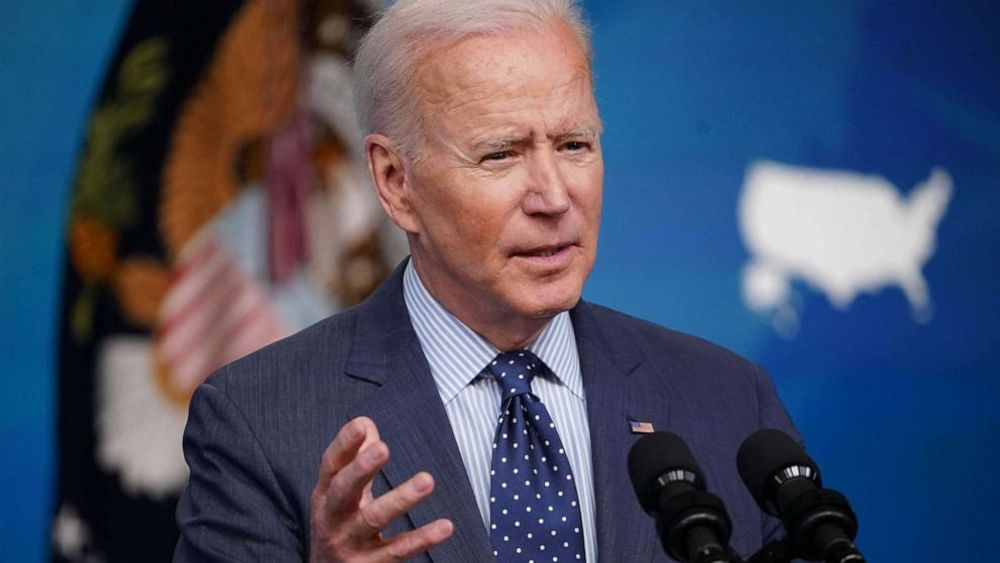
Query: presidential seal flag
x=219 y=204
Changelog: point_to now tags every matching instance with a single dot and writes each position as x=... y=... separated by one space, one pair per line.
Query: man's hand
x=347 y=521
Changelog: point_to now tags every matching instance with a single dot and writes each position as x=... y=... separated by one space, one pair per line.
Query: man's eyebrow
x=499 y=143
x=588 y=131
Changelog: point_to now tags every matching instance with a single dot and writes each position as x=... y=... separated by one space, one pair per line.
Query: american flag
x=639 y=427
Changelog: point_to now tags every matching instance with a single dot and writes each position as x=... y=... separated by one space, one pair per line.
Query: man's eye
x=576 y=146
x=496 y=156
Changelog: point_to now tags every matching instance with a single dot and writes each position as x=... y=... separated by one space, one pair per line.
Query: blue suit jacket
x=257 y=428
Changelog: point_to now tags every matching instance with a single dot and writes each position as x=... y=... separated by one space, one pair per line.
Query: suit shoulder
x=318 y=347
x=657 y=343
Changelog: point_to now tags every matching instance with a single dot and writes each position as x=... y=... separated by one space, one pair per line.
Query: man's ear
x=388 y=175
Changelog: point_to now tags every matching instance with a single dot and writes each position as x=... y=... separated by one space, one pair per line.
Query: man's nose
x=547 y=190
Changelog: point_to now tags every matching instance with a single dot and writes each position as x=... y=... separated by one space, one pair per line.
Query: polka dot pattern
x=534 y=509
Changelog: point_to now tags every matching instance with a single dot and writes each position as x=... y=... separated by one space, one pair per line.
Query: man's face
x=506 y=190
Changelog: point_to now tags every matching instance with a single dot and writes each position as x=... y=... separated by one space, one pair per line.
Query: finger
x=378 y=514
x=409 y=544
x=352 y=438
x=347 y=486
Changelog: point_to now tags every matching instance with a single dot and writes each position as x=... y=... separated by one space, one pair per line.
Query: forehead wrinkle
x=564 y=122
x=471 y=98
x=439 y=82
x=475 y=102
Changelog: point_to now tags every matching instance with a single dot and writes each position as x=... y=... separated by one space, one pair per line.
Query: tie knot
x=514 y=371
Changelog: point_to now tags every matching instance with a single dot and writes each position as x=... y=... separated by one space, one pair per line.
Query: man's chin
x=546 y=303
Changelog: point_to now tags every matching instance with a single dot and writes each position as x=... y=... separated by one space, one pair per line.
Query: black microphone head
x=762 y=456
x=655 y=455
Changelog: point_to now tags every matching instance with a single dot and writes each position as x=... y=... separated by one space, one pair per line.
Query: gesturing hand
x=347 y=520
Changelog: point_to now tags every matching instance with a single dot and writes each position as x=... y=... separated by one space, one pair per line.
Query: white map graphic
x=841 y=232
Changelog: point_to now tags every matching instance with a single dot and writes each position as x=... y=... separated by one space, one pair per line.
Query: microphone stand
x=783 y=551
x=778 y=551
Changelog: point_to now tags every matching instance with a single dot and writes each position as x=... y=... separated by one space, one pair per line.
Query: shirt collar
x=457 y=354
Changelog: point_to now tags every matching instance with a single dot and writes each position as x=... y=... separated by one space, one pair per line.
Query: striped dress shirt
x=457 y=356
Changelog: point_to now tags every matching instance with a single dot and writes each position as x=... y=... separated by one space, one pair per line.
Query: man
x=483 y=143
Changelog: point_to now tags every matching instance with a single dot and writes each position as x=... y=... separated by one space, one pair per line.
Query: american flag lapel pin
x=640 y=427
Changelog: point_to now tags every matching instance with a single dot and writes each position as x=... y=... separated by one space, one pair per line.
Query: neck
x=506 y=331
x=508 y=339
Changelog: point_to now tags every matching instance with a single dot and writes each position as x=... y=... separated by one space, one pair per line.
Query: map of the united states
x=842 y=233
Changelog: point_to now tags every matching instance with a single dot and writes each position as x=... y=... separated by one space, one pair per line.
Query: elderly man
x=504 y=399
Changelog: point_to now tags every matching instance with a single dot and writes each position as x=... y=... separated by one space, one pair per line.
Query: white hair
x=384 y=65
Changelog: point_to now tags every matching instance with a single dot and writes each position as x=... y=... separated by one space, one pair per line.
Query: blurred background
x=814 y=185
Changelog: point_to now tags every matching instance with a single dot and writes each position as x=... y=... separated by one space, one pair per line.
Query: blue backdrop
x=902 y=416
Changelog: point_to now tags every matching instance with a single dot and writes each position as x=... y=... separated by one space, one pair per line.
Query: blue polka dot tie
x=534 y=509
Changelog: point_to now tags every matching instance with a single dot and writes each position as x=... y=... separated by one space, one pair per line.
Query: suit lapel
x=408 y=411
x=411 y=419
x=607 y=360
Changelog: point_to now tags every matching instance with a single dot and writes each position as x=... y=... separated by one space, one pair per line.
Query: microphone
x=692 y=523
x=785 y=482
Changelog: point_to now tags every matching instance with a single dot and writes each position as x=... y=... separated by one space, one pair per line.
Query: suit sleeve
x=772 y=414
x=772 y=410
x=233 y=508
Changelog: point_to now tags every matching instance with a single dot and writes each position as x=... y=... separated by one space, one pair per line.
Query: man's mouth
x=546 y=251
